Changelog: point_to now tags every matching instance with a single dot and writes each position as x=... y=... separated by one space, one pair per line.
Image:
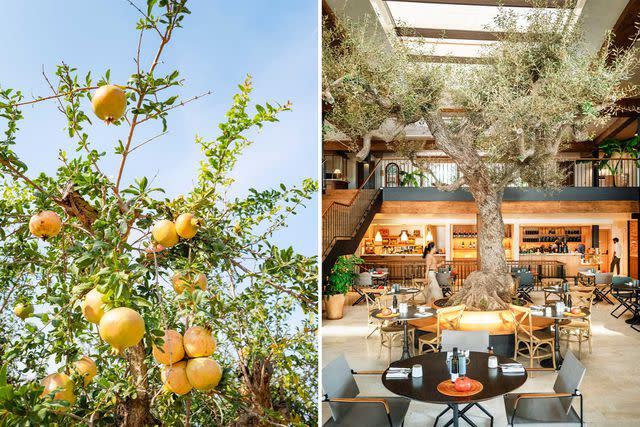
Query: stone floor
x=611 y=386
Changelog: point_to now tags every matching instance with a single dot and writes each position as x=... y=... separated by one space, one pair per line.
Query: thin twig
x=180 y=104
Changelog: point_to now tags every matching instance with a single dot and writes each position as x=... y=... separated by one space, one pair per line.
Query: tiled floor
x=611 y=386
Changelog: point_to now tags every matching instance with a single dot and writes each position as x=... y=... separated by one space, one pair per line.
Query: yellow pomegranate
x=164 y=232
x=45 y=224
x=186 y=225
x=182 y=282
x=172 y=350
x=203 y=373
x=56 y=381
x=174 y=378
x=86 y=368
x=23 y=310
x=109 y=103
x=121 y=327
x=93 y=306
x=198 y=342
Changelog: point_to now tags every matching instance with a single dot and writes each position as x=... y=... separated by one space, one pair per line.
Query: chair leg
x=553 y=354
x=579 y=344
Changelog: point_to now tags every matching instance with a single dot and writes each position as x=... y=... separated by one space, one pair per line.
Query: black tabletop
x=434 y=371
x=411 y=314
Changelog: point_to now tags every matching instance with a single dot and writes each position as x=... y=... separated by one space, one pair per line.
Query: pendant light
x=403 y=236
x=378 y=237
x=429 y=235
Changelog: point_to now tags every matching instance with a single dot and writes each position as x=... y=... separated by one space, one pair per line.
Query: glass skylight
x=450 y=16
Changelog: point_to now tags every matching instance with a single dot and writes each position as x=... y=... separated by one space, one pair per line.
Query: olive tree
x=536 y=89
x=260 y=300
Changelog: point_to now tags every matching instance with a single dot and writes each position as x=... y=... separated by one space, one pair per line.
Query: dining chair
x=579 y=328
x=550 y=297
x=372 y=322
x=602 y=282
x=526 y=285
x=550 y=408
x=446 y=318
x=421 y=285
x=534 y=341
x=624 y=298
x=348 y=408
x=444 y=281
x=466 y=340
x=392 y=332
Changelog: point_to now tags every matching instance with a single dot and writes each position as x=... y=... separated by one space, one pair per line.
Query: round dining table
x=557 y=317
x=434 y=371
x=411 y=314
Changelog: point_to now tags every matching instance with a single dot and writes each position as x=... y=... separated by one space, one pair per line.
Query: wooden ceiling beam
x=625 y=29
x=616 y=127
x=556 y=4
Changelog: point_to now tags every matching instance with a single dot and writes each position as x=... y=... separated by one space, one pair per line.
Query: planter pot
x=621 y=180
x=335 y=306
x=609 y=180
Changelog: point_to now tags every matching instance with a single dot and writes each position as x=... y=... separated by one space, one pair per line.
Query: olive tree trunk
x=491 y=287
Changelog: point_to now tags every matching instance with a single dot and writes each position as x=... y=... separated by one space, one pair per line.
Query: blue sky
x=275 y=41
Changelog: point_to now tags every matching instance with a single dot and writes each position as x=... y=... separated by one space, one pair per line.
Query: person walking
x=617 y=253
x=433 y=291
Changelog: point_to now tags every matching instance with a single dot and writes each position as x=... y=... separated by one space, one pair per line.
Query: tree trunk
x=136 y=412
x=491 y=287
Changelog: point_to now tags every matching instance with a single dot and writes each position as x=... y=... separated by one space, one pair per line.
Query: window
x=392 y=175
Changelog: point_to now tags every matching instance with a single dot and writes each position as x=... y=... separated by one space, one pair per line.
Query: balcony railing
x=579 y=173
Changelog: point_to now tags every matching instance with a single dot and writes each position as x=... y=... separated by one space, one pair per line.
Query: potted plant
x=410 y=179
x=342 y=277
x=615 y=151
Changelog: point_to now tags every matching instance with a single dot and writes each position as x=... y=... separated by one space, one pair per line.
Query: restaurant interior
x=398 y=345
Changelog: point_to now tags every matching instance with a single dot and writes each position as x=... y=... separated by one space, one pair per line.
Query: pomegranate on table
x=462 y=384
x=576 y=310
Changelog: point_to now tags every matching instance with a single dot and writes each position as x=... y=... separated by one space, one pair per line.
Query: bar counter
x=572 y=261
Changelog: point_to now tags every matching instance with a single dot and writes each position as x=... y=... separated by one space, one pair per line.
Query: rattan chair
x=446 y=318
x=534 y=341
x=579 y=328
x=421 y=285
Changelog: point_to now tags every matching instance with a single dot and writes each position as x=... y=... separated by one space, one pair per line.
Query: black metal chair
x=602 y=282
x=349 y=409
x=465 y=340
x=625 y=298
x=444 y=280
x=525 y=285
x=550 y=408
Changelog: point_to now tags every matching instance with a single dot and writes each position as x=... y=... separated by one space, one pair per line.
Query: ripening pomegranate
x=203 y=373
x=93 y=306
x=59 y=380
x=109 y=103
x=121 y=327
x=23 y=310
x=172 y=350
x=198 y=342
x=186 y=225
x=174 y=378
x=164 y=232
x=45 y=224
x=182 y=282
x=86 y=368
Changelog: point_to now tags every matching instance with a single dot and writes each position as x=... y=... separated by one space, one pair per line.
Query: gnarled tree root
x=485 y=291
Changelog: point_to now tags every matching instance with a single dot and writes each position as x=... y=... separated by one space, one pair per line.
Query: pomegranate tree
x=141 y=307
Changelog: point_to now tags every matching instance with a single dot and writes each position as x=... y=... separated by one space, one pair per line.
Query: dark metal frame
x=457 y=414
